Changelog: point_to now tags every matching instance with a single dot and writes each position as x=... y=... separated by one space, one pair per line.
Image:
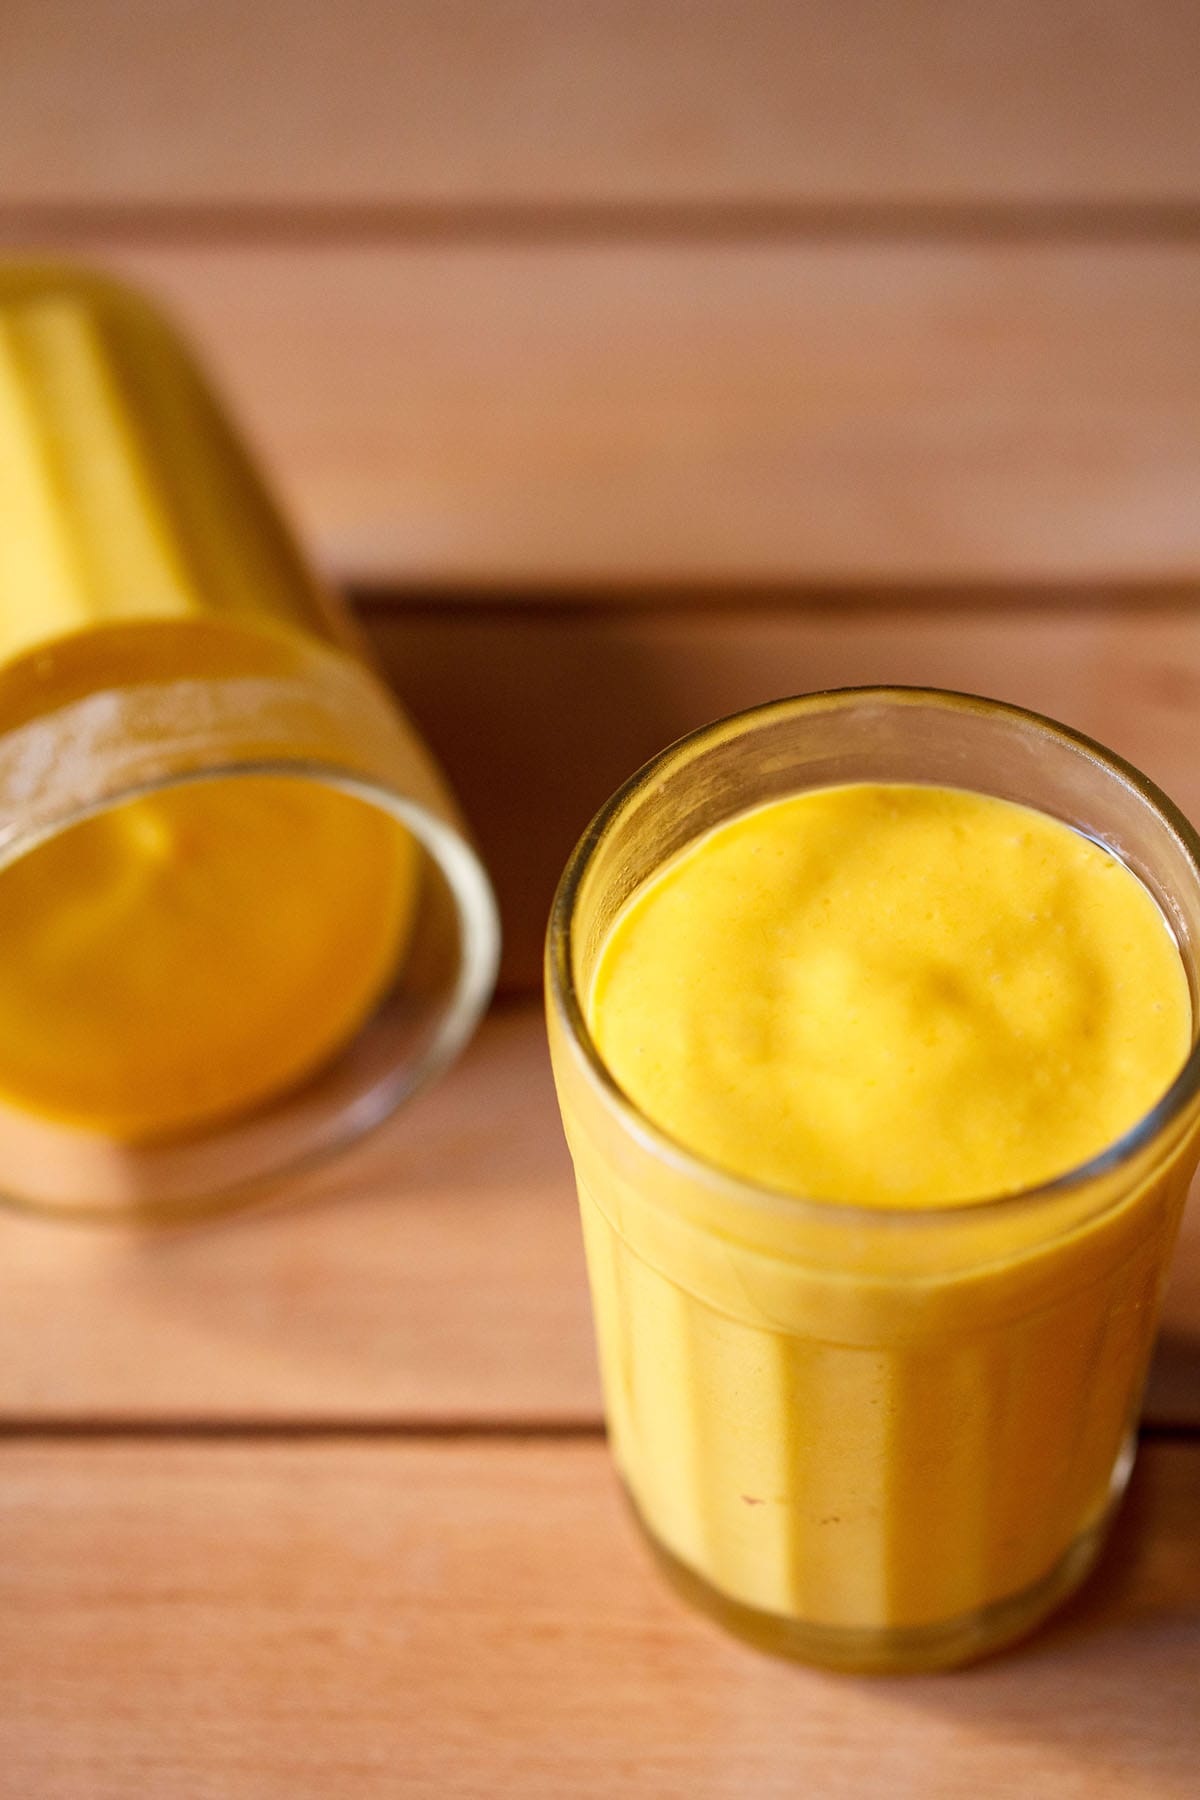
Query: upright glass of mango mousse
x=873 y=1022
x=239 y=917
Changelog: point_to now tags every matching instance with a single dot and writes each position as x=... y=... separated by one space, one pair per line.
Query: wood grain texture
x=432 y=1276
x=295 y=101
x=605 y=414
x=465 y=1620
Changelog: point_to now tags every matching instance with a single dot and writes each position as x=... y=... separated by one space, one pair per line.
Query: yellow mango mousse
x=193 y=952
x=189 y=954
x=902 y=997
x=894 y=996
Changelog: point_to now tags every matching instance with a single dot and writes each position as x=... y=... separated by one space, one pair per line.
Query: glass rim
x=478 y=923
x=563 y=995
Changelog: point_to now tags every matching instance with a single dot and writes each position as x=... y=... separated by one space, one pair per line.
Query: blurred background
x=628 y=363
x=634 y=361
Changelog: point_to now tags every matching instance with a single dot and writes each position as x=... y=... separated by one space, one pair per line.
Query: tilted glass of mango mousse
x=873 y=1022
x=240 y=919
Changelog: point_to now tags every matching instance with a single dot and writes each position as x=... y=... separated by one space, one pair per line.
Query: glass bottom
x=901 y=1650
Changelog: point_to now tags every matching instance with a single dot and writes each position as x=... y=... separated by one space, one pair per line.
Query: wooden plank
x=300 y=100
x=457 y=1619
x=539 y=714
x=606 y=414
x=434 y=1274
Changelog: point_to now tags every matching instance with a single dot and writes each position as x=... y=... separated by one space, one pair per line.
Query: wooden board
x=296 y=101
x=432 y=1276
x=464 y=1619
x=539 y=714
x=613 y=414
x=434 y=1273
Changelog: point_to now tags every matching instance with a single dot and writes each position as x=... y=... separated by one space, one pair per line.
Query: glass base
x=901 y=1650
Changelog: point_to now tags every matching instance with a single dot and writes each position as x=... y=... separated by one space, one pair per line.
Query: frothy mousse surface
x=893 y=995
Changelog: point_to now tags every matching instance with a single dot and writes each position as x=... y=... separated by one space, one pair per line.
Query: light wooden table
x=632 y=363
x=316 y=1501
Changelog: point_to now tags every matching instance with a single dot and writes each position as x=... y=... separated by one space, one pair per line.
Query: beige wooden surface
x=432 y=1275
x=233 y=1621
x=528 y=414
x=532 y=294
x=544 y=101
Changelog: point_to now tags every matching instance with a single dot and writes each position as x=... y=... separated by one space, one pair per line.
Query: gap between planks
x=327 y=1430
x=736 y=221
x=331 y=1430
x=743 y=602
